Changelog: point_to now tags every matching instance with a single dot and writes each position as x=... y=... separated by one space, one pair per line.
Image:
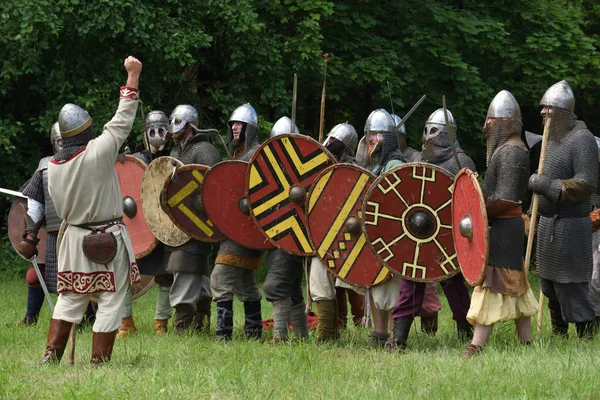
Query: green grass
x=145 y=366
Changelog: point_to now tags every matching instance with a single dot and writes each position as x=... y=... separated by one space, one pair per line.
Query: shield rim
x=363 y=209
x=253 y=158
x=41 y=235
x=165 y=205
x=151 y=248
x=160 y=193
x=312 y=243
x=268 y=244
x=144 y=289
x=486 y=235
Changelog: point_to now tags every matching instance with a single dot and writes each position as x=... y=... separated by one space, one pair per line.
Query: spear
x=323 y=94
x=294 y=99
x=534 y=212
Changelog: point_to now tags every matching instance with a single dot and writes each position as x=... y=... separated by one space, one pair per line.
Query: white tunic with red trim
x=86 y=190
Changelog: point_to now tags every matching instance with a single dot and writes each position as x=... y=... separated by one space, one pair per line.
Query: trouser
x=189 y=288
x=413 y=293
x=71 y=307
x=284 y=281
x=227 y=281
x=569 y=301
x=595 y=282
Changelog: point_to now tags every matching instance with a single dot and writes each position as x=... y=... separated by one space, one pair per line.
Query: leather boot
x=585 y=330
x=299 y=321
x=184 y=317
x=35 y=300
x=379 y=340
x=282 y=310
x=127 y=327
x=465 y=331
x=559 y=326
x=429 y=325
x=27 y=321
x=253 y=322
x=160 y=326
x=102 y=346
x=327 y=324
x=401 y=331
x=224 y=320
x=202 y=317
x=58 y=335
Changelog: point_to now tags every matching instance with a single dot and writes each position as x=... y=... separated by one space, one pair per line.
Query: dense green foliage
x=219 y=54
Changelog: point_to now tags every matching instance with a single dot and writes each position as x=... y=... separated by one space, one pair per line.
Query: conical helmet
x=245 y=113
x=397 y=120
x=181 y=116
x=55 y=138
x=379 y=121
x=346 y=134
x=504 y=105
x=283 y=126
x=72 y=120
x=559 y=95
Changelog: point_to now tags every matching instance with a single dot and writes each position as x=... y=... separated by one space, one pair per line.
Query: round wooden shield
x=407 y=218
x=182 y=201
x=469 y=220
x=158 y=221
x=334 y=229
x=16 y=226
x=130 y=173
x=140 y=289
x=224 y=198
x=279 y=176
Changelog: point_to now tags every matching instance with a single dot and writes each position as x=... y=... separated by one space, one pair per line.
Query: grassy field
x=145 y=366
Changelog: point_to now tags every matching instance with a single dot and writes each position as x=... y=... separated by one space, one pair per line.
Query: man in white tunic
x=85 y=189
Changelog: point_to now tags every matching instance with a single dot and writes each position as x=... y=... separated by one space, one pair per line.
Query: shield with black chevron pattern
x=280 y=174
x=333 y=222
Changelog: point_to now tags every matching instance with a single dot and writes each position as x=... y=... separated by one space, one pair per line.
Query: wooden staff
x=294 y=99
x=534 y=212
x=323 y=94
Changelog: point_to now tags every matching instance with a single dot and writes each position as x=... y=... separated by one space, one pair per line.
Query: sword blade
x=410 y=112
x=13 y=193
x=42 y=283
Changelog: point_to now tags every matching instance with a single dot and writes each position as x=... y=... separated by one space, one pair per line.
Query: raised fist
x=133 y=65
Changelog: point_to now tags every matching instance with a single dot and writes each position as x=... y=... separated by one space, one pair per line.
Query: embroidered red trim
x=134 y=274
x=85 y=283
x=78 y=152
x=130 y=93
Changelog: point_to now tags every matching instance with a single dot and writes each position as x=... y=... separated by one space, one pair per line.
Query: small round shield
x=279 y=176
x=158 y=221
x=408 y=222
x=225 y=202
x=183 y=203
x=16 y=226
x=470 y=227
x=334 y=228
x=130 y=172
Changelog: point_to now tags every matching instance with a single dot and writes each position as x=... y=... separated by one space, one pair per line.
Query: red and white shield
x=408 y=222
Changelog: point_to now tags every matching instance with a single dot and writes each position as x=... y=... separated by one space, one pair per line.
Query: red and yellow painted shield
x=334 y=225
x=408 y=222
x=469 y=219
x=225 y=202
x=280 y=174
x=182 y=201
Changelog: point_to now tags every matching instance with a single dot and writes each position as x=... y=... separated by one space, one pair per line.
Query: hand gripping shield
x=158 y=221
x=408 y=222
x=279 y=176
x=16 y=226
x=130 y=172
x=225 y=202
x=470 y=227
x=182 y=200
x=334 y=225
